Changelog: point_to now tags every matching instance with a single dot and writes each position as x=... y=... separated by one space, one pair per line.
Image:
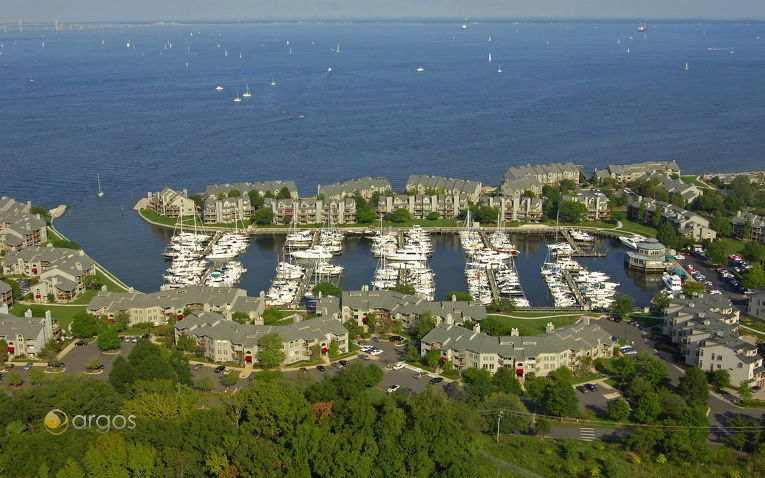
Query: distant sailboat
x=238 y=99
x=218 y=88
x=100 y=193
x=329 y=70
x=686 y=66
x=489 y=57
x=240 y=55
x=337 y=49
x=273 y=82
x=247 y=93
x=225 y=52
x=499 y=70
x=628 y=50
x=419 y=68
x=489 y=38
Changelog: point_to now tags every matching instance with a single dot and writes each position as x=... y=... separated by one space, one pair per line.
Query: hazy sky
x=121 y=10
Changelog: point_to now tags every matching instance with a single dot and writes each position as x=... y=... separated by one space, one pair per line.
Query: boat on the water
x=631 y=241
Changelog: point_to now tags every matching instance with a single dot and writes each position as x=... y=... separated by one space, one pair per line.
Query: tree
x=694 y=386
x=284 y=193
x=641 y=211
x=716 y=253
x=678 y=200
x=15 y=288
x=353 y=328
x=462 y=296
x=412 y=354
x=754 y=277
x=487 y=214
x=753 y=251
x=561 y=374
x=334 y=349
x=403 y=289
x=270 y=352
x=573 y=211
x=234 y=193
x=263 y=215
x=648 y=408
x=651 y=368
x=3 y=350
x=434 y=216
x=672 y=404
x=623 y=305
x=656 y=219
x=426 y=323
x=722 y=226
x=108 y=338
x=721 y=378
x=401 y=215
x=666 y=235
x=327 y=289
x=432 y=358
x=660 y=301
x=514 y=420
x=542 y=426
x=36 y=376
x=198 y=201
x=239 y=317
x=14 y=379
x=619 y=410
x=504 y=381
x=315 y=352
x=559 y=398
x=92 y=282
x=204 y=383
x=230 y=379
x=692 y=287
x=122 y=321
x=479 y=383
x=366 y=214
x=83 y=325
x=373 y=375
x=122 y=375
x=743 y=389
x=93 y=364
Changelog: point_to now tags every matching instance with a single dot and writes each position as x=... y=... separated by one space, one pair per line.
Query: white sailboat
x=686 y=66
x=238 y=98
x=499 y=70
x=489 y=38
x=419 y=68
x=337 y=49
x=100 y=193
x=273 y=82
x=247 y=93
x=489 y=57
x=218 y=88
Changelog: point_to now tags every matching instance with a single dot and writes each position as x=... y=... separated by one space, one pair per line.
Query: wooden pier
x=572 y=285
x=578 y=251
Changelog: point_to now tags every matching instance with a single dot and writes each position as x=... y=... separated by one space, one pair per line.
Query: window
x=740 y=365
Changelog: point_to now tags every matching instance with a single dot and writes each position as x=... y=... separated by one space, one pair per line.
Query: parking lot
x=738 y=299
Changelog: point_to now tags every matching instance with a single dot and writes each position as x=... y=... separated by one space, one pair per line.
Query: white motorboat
x=631 y=241
x=673 y=282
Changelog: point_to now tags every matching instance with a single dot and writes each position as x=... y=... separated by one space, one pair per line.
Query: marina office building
x=19 y=228
x=540 y=354
x=706 y=330
x=650 y=256
x=156 y=307
x=228 y=341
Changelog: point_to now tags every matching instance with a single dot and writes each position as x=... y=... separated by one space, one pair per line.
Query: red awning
x=34 y=270
x=180 y=316
x=38 y=296
x=248 y=358
x=442 y=359
x=111 y=320
x=11 y=349
x=519 y=371
x=365 y=319
x=324 y=350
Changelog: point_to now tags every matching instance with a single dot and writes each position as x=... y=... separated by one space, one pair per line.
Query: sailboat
x=337 y=49
x=247 y=93
x=489 y=38
x=686 y=66
x=419 y=68
x=273 y=82
x=499 y=70
x=489 y=57
x=238 y=99
x=100 y=193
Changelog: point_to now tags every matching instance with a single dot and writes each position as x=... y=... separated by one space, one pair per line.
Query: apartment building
x=421 y=205
x=171 y=203
x=227 y=209
x=683 y=221
x=516 y=208
x=27 y=335
x=364 y=186
x=756 y=224
x=6 y=294
x=274 y=187
x=19 y=228
x=423 y=184
x=596 y=202
x=757 y=305
x=228 y=341
x=632 y=171
x=312 y=211
x=540 y=354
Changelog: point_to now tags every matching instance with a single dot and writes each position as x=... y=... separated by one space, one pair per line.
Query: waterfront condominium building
x=748 y=226
x=516 y=208
x=421 y=205
x=683 y=221
x=756 y=306
x=156 y=307
x=532 y=176
x=539 y=354
x=6 y=294
x=25 y=335
x=364 y=186
x=422 y=184
x=312 y=211
x=171 y=203
x=676 y=187
x=706 y=330
x=632 y=171
x=227 y=209
x=224 y=340
x=19 y=228
x=596 y=202
x=273 y=187
x=61 y=271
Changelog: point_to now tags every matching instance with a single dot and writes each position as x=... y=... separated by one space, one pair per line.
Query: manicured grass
x=752 y=403
x=85 y=297
x=694 y=180
x=731 y=246
x=547 y=457
x=633 y=227
x=534 y=326
x=62 y=313
x=171 y=221
x=585 y=379
x=521 y=313
x=646 y=320
x=753 y=323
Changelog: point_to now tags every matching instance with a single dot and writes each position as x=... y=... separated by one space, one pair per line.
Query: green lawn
x=753 y=323
x=85 y=297
x=62 y=313
x=522 y=313
x=731 y=246
x=647 y=320
x=585 y=379
x=629 y=226
x=694 y=180
x=534 y=326
x=547 y=458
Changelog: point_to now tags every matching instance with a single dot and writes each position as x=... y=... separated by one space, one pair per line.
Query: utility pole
x=499 y=418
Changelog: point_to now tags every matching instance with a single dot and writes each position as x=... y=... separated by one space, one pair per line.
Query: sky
x=151 y=10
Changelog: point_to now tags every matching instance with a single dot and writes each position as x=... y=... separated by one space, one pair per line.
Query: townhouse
x=6 y=294
x=364 y=186
x=596 y=202
x=227 y=209
x=273 y=187
x=756 y=307
x=171 y=203
x=421 y=205
x=632 y=171
x=393 y=306
x=19 y=228
x=27 y=335
x=748 y=226
x=423 y=184
x=224 y=340
x=706 y=330
x=61 y=271
x=683 y=221
x=540 y=354
x=312 y=211
x=674 y=187
x=157 y=307
x=548 y=173
x=516 y=207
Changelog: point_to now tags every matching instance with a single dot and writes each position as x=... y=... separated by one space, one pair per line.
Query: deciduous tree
x=270 y=352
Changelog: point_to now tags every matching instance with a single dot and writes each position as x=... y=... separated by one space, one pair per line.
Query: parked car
x=398 y=366
x=436 y=380
x=582 y=388
x=219 y=368
x=81 y=343
x=320 y=368
x=419 y=375
x=28 y=365
x=591 y=387
x=56 y=364
x=197 y=366
x=396 y=338
x=100 y=367
x=376 y=352
x=364 y=356
x=303 y=370
x=376 y=339
x=367 y=348
x=344 y=363
x=226 y=371
x=392 y=388
x=8 y=367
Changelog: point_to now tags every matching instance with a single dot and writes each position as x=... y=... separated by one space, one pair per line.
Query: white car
x=392 y=388
x=367 y=348
x=375 y=352
x=398 y=366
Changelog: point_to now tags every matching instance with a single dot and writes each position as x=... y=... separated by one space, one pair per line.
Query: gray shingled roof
x=28 y=327
x=114 y=302
x=347 y=188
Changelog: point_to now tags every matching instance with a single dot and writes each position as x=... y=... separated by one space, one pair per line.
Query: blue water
x=569 y=92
